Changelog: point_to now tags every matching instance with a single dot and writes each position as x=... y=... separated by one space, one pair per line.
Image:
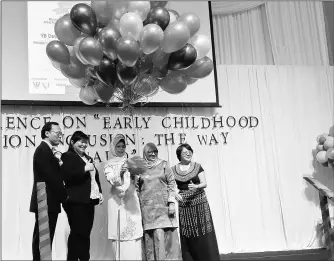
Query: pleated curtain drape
x=271 y=32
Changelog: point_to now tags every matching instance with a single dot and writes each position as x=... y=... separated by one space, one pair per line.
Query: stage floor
x=312 y=254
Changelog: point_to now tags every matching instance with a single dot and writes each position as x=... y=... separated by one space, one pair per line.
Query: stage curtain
x=242 y=37
x=258 y=198
x=328 y=7
x=272 y=32
x=297 y=32
x=230 y=7
x=294 y=105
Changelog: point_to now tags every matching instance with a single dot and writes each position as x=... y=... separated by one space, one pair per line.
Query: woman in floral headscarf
x=124 y=217
x=156 y=188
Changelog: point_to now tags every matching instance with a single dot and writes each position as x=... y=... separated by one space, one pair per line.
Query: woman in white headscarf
x=124 y=217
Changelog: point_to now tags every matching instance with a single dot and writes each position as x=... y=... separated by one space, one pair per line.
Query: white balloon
x=172 y=18
x=329 y=138
x=329 y=143
x=321 y=156
x=202 y=45
x=142 y=8
x=131 y=25
x=150 y=38
x=117 y=8
x=331 y=131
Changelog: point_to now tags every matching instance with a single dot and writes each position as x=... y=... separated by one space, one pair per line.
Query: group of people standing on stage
x=142 y=209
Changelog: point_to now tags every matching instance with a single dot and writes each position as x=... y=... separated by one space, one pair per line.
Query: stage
x=312 y=254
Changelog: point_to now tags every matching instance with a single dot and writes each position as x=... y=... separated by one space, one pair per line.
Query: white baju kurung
x=124 y=215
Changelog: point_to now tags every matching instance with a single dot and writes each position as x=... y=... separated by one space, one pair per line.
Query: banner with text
x=168 y=130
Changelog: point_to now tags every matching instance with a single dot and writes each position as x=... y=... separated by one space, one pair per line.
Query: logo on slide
x=38 y=84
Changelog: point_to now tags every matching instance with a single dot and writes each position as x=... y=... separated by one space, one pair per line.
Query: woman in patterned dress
x=156 y=188
x=124 y=217
x=197 y=233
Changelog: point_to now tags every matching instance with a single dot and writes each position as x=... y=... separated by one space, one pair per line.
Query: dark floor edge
x=308 y=254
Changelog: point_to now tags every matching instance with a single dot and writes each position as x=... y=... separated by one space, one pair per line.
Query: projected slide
x=46 y=83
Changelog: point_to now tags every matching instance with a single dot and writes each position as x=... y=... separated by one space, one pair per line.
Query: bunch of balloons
x=127 y=50
x=325 y=148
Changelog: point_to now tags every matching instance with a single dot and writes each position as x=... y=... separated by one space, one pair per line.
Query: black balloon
x=160 y=59
x=145 y=22
x=183 y=58
x=158 y=3
x=159 y=16
x=128 y=50
x=106 y=71
x=127 y=75
x=325 y=164
x=84 y=18
x=91 y=80
x=201 y=68
x=103 y=91
x=108 y=37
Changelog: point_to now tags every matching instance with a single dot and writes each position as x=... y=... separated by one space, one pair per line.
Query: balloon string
x=128 y=94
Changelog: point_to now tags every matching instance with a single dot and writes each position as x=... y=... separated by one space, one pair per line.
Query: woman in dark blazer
x=83 y=187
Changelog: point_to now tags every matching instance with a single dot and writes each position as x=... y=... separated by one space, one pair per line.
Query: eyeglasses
x=59 y=133
x=185 y=153
x=152 y=152
x=121 y=146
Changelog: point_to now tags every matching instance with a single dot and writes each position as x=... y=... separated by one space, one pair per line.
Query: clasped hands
x=171 y=209
x=192 y=186
x=89 y=166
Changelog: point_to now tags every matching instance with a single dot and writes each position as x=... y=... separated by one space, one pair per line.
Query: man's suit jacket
x=77 y=181
x=46 y=169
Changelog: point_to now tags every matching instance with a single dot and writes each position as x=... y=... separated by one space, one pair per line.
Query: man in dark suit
x=46 y=169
